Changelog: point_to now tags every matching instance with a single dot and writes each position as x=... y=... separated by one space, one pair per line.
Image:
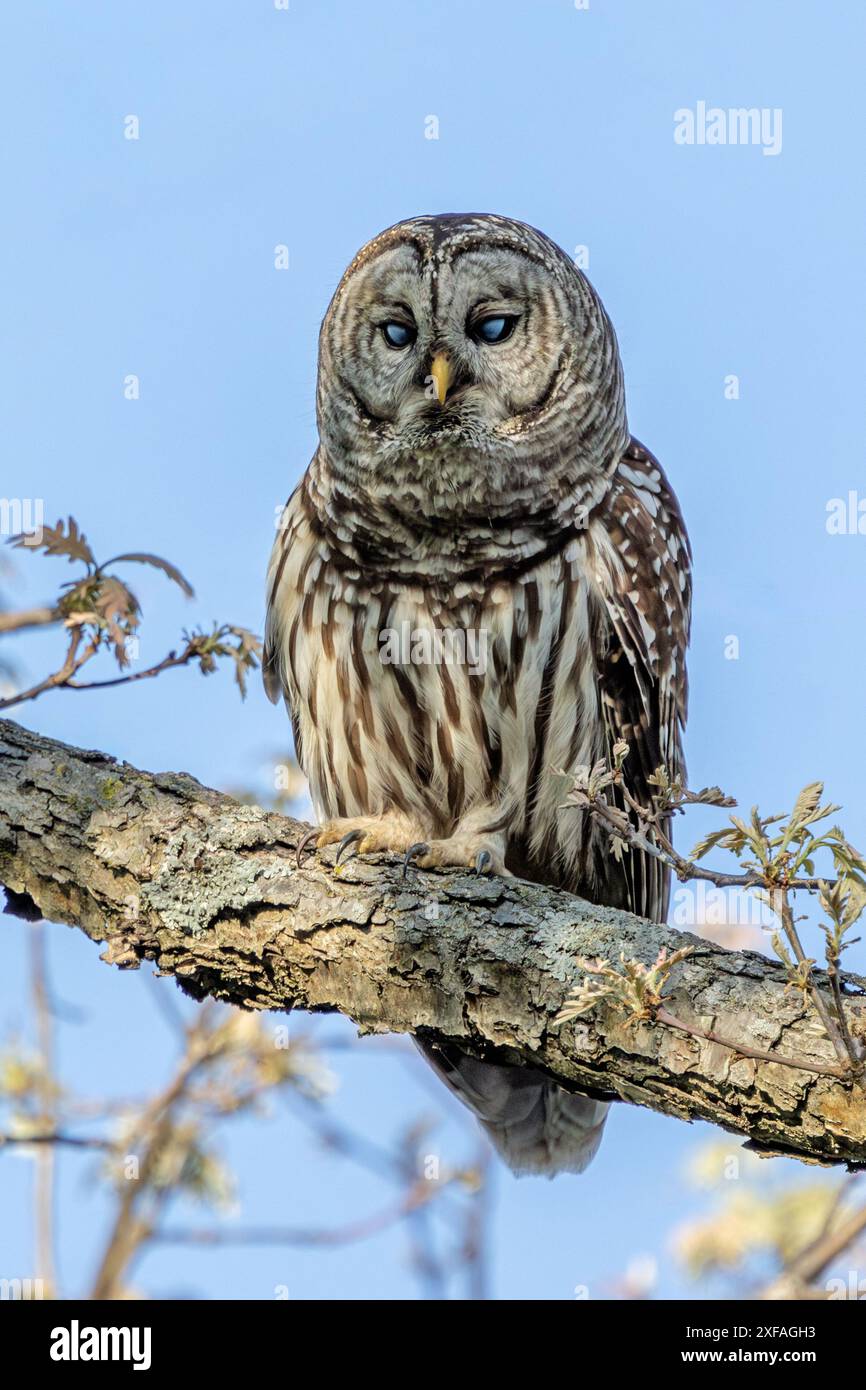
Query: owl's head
x=470 y=342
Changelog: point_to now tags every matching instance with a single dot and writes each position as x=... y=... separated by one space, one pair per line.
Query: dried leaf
x=142 y=557
x=117 y=609
x=55 y=540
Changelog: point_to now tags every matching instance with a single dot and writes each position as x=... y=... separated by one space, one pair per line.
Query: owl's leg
x=391 y=833
x=472 y=846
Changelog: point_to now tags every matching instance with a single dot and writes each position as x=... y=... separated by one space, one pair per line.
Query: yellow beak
x=440 y=370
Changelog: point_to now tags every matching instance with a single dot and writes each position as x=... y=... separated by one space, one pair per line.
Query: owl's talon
x=302 y=845
x=483 y=861
x=346 y=843
x=414 y=852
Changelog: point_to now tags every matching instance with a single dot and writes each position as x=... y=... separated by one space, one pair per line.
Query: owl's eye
x=397 y=334
x=495 y=329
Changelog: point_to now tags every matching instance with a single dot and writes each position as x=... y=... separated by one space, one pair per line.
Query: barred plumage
x=519 y=511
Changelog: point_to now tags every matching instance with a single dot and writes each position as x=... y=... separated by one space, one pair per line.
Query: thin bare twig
x=664 y=1016
x=811 y=1262
x=58 y=1139
x=168 y=663
x=72 y=663
x=153 y=1132
x=64 y=678
x=45 y=1163
x=418 y=1196
x=26 y=618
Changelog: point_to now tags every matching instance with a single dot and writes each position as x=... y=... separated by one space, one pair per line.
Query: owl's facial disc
x=451 y=351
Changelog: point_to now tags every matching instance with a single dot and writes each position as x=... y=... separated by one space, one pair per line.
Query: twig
x=28 y=617
x=168 y=663
x=811 y=1262
x=154 y=1130
x=650 y=825
x=476 y=1243
x=848 y=1060
x=72 y=663
x=44 y=1193
x=64 y=678
x=663 y=1016
x=58 y=1138
x=419 y=1195
x=686 y=869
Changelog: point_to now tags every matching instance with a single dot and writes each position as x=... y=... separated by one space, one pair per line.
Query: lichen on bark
x=161 y=868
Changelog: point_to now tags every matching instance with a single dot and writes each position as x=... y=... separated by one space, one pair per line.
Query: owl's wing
x=641 y=558
x=279 y=617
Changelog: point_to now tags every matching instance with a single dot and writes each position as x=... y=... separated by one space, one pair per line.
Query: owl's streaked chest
x=436 y=702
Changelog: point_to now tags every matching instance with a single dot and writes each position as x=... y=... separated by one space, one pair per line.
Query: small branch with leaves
x=100 y=612
x=778 y=856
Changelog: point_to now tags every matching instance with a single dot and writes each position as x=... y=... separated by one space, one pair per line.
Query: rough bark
x=163 y=869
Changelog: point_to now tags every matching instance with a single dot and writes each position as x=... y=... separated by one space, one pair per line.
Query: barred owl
x=481 y=578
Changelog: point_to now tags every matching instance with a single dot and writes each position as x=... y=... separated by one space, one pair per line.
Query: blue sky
x=155 y=257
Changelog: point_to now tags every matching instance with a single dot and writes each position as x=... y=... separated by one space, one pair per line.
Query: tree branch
x=163 y=869
x=29 y=617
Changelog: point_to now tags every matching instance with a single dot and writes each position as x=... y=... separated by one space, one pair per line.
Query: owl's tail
x=535 y=1125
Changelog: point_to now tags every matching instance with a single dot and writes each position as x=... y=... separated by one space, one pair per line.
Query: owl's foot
x=485 y=853
x=388 y=834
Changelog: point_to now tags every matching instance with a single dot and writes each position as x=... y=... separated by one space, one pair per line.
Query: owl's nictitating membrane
x=481 y=580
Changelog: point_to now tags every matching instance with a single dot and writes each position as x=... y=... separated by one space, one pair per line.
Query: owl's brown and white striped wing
x=291 y=548
x=642 y=562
